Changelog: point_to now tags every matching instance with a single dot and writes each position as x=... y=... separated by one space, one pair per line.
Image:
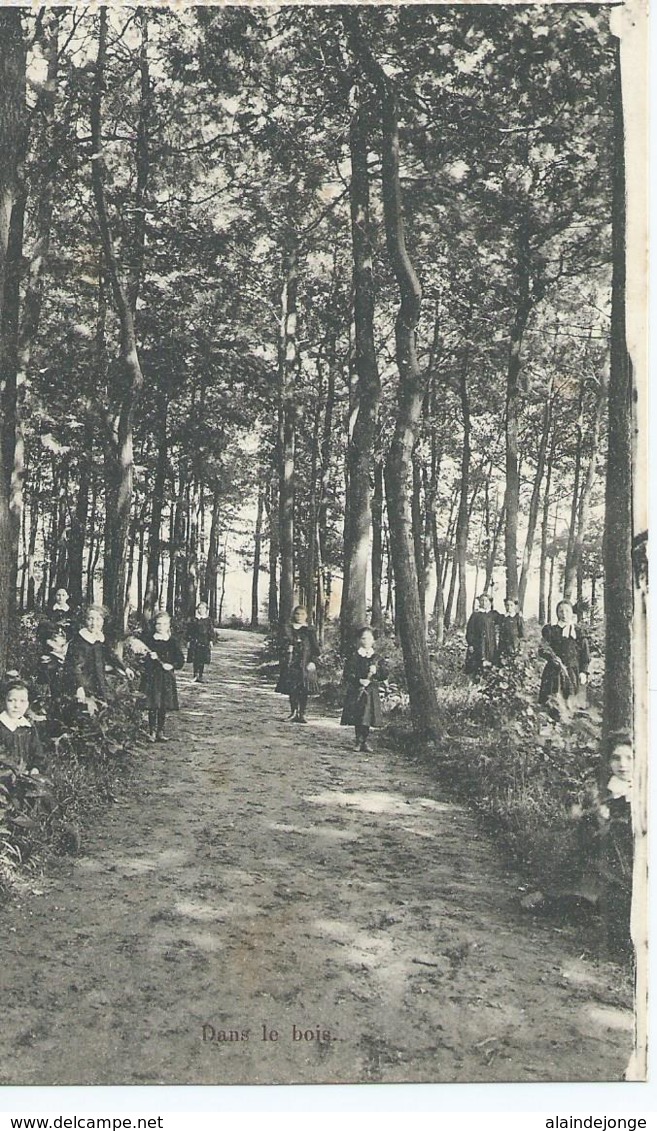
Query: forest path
x=264 y=873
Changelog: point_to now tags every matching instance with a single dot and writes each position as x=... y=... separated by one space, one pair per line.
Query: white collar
x=14 y=724
x=90 y=638
x=204 y=617
x=366 y=652
x=159 y=636
x=61 y=608
x=298 y=626
x=567 y=629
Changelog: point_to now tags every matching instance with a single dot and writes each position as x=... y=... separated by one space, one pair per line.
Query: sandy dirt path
x=261 y=873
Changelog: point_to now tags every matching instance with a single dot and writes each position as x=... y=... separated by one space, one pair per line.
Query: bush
x=531 y=772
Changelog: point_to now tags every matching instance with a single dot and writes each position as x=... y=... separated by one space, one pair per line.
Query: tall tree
x=127 y=378
x=409 y=617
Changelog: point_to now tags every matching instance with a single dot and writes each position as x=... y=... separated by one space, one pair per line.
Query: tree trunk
x=95 y=536
x=220 y=610
x=257 y=544
x=271 y=506
x=12 y=127
x=543 y=615
x=409 y=620
x=20 y=330
x=175 y=545
x=439 y=601
x=550 y=600
x=129 y=378
x=618 y=711
x=418 y=530
x=570 y=572
x=584 y=510
x=377 y=545
x=192 y=578
x=79 y=524
x=212 y=568
x=287 y=365
x=367 y=391
x=324 y=588
x=536 y=495
x=310 y=582
x=31 y=549
x=140 y=569
x=513 y=406
x=463 y=520
x=155 y=524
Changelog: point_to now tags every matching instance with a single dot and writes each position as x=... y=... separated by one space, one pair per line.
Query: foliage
x=532 y=773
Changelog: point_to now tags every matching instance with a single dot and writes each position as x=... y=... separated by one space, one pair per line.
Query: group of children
x=494 y=638
x=363 y=676
x=74 y=661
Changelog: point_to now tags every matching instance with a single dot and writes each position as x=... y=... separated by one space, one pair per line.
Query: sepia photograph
x=323 y=544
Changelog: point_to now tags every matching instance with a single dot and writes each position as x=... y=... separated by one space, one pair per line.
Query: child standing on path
x=298 y=677
x=199 y=650
x=164 y=656
x=362 y=677
x=19 y=740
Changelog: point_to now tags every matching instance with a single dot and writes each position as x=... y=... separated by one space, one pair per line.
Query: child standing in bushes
x=199 y=650
x=89 y=657
x=53 y=672
x=19 y=740
x=480 y=638
x=298 y=677
x=510 y=631
x=565 y=647
x=363 y=675
x=164 y=656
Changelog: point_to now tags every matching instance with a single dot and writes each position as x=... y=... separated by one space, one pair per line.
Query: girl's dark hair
x=364 y=629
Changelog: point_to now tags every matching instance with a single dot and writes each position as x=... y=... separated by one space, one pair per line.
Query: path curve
x=265 y=874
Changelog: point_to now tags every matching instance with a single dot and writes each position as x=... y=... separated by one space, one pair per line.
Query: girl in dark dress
x=480 y=638
x=298 y=677
x=199 y=650
x=510 y=631
x=89 y=656
x=363 y=675
x=164 y=656
x=61 y=613
x=19 y=740
x=566 y=649
x=54 y=673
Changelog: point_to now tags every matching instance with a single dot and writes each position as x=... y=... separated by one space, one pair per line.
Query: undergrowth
x=87 y=753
